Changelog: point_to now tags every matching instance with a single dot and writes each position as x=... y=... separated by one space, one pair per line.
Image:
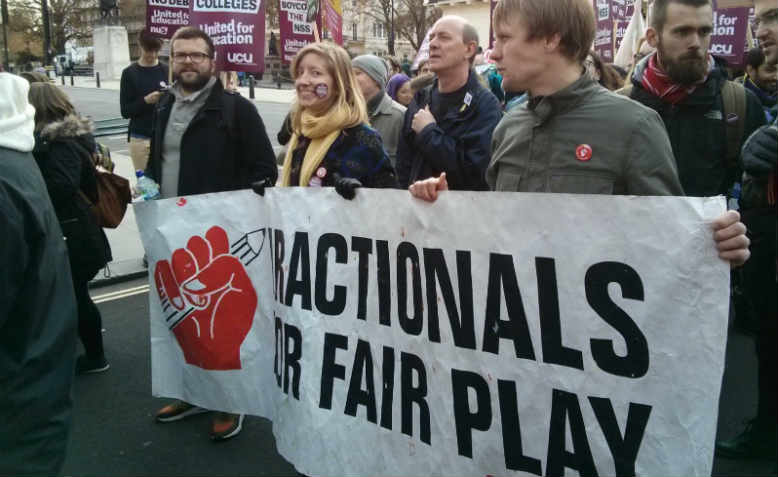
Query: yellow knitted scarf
x=322 y=131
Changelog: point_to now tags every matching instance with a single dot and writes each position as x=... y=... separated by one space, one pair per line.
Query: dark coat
x=136 y=82
x=760 y=160
x=37 y=324
x=357 y=153
x=63 y=153
x=216 y=154
x=458 y=144
x=698 y=134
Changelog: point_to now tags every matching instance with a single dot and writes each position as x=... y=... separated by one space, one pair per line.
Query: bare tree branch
x=381 y=12
x=414 y=21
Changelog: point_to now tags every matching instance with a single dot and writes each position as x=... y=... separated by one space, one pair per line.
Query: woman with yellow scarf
x=332 y=144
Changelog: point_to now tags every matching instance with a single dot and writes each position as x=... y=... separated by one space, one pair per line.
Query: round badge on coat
x=583 y=152
x=321 y=172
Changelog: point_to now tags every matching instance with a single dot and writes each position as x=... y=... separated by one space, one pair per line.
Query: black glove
x=760 y=154
x=346 y=186
x=260 y=186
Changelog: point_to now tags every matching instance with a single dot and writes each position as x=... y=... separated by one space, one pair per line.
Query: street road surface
x=104 y=104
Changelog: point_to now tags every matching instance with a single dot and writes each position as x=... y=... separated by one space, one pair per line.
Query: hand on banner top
x=428 y=189
x=213 y=298
x=346 y=186
x=260 y=186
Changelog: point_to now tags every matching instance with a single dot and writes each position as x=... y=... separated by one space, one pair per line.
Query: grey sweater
x=184 y=110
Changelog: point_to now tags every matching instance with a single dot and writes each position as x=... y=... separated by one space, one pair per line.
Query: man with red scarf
x=683 y=83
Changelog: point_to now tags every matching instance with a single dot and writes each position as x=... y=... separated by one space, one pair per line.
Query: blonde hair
x=347 y=95
x=50 y=104
x=572 y=20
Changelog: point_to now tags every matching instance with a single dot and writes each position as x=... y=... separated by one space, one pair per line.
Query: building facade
x=474 y=11
x=364 y=33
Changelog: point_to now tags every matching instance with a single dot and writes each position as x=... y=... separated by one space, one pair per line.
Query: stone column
x=111 y=50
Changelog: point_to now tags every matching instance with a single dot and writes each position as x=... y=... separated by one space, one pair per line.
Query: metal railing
x=111 y=127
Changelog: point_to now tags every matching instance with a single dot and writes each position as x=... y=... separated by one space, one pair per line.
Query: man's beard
x=688 y=69
x=194 y=85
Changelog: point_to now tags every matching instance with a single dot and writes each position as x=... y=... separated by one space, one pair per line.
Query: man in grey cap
x=386 y=115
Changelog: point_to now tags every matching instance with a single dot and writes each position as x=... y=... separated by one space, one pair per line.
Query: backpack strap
x=733 y=98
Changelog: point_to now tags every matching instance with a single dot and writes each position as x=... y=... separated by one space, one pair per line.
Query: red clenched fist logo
x=207 y=299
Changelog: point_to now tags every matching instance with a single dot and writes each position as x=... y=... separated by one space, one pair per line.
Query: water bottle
x=146 y=188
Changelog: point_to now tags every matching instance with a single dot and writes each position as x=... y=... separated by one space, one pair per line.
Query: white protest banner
x=487 y=333
x=424 y=52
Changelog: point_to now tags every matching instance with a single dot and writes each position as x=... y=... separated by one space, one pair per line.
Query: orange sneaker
x=178 y=410
x=226 y=425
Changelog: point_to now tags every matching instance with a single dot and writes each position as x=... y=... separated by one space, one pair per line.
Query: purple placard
x=603 y=39
x=237 y=28
x=164 y=17
x=729 y=34
x=296 y=32
x=612 y=18
x=623 y=18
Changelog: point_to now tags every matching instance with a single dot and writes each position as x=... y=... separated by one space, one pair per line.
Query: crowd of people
x=551 y=117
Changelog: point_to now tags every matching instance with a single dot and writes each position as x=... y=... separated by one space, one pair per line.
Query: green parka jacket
x=583 y=139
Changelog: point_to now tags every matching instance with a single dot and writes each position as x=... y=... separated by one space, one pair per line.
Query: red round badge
x=583 y=152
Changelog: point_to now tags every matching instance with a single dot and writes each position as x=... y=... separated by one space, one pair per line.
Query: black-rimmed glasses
x=195 y=57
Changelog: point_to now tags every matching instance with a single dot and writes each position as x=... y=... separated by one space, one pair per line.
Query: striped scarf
x=658 y=83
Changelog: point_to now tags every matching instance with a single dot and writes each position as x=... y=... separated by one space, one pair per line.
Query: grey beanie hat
x=374 y=67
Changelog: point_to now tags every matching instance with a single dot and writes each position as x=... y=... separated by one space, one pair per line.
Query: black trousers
x=90 y=323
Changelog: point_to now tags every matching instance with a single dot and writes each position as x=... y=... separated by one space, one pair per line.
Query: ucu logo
x=721 y=49
x=241 y=58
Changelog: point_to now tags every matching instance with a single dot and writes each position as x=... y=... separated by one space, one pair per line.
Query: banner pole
x=316 y=25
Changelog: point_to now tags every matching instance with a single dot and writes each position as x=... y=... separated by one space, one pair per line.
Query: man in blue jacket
x=448 y=126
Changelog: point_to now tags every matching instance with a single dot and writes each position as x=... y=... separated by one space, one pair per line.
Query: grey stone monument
x=111 y=48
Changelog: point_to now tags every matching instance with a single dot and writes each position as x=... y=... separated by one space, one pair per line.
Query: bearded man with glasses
x=205 y=139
